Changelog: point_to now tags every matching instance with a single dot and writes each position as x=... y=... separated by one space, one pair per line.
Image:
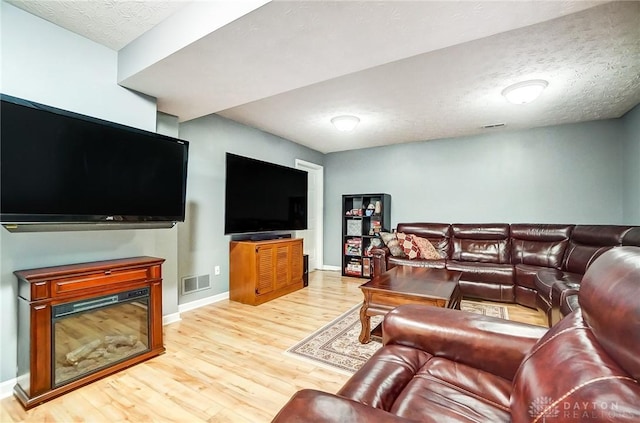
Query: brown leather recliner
x=446 y=365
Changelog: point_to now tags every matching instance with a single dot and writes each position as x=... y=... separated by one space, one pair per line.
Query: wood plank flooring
x=224 y=363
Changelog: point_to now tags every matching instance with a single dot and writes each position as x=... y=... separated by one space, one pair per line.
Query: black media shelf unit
x=363 y=217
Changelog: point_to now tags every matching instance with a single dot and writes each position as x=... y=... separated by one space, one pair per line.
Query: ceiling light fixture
x=524 y=92
x=345 y=123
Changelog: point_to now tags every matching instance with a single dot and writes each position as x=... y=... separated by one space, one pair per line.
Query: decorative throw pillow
x=391 y=241
x=427 y=250
x=376 y=242
x=409 y=247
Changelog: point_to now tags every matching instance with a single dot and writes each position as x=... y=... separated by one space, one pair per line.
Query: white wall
x=632 y=167
x=561 y=174
x=49 y=65
x=202 y=243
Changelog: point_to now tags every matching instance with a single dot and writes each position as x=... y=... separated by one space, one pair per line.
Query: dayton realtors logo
x=543 y=408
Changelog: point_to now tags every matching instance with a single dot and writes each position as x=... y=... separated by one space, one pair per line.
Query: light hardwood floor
x=224 y=363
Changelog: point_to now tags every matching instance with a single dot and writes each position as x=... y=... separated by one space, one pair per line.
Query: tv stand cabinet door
x=260 y=271
x=266 y=268
x=295 y=265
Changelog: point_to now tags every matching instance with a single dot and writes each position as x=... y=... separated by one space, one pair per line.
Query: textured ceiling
x=411 y=71
x=112 y=23
x=591 y=60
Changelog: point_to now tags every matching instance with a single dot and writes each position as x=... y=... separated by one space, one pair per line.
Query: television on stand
x=65 y=171
x=263 y=200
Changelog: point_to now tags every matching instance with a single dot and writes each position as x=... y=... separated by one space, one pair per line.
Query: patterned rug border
x=500 y=311
x=335 y=346
x=295 y=350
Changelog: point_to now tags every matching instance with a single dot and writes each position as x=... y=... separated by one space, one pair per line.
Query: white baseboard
x=171 y=318
x=6 y=388
x=175 y=317
x=332 y=268
x=203 y=302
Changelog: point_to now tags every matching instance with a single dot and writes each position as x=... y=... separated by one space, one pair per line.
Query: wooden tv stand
x=260 y=271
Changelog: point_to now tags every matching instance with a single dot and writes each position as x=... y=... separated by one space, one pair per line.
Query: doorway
x=313 y=236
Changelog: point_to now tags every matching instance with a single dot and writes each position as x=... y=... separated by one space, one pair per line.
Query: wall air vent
x=494 y=125
x=195 y=283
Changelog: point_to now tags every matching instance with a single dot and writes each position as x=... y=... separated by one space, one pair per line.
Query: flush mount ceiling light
x=524 y=92
x=345 y=123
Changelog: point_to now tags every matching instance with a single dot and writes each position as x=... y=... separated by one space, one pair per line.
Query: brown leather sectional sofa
x=535 y=265
x=451 y=366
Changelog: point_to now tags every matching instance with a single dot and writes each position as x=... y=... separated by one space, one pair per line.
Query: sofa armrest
x=379 y=259
x=562 y=289
x=491 y=344
x=310 y=405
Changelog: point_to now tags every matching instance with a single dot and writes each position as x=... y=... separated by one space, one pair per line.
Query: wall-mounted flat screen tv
x=62 y=167
x=263 y=197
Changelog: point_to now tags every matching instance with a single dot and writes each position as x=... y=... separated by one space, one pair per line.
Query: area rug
x=336 y=344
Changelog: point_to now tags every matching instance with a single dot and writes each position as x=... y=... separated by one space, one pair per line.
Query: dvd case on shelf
x=353 y=247
x=353 y=267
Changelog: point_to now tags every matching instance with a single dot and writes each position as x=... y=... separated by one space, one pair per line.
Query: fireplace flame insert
x=92 y=334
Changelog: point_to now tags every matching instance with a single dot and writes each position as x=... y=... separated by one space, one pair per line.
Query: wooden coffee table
x=407 y=285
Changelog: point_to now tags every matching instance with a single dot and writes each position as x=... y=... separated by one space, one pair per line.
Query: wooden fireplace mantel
x=41 y=289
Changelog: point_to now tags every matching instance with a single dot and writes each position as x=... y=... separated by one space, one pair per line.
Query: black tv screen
x=263 y=197
x=58 y=166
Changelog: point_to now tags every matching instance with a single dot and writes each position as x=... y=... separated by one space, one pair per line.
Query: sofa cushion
x=483 y=272
x=488 y=291
x=408 y=245
x=443 y=389
x=632 y=237
x=384 y=375
x=399 y=378
x=489 y=281
x=419 y=262
x=391 y=241
x=482 y=243
x=604 y=235
x=427 y=250
x=539 y=244
x=579 y=257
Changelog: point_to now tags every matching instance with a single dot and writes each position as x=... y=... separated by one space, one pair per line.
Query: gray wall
x=561 y=174
x=632 y=167
x=167 y=240
x=46 y=64
x=201 y=240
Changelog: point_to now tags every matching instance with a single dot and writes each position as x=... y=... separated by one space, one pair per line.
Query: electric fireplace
x=80 y=322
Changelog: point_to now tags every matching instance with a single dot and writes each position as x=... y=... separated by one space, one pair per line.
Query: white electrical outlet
x=216 y=270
